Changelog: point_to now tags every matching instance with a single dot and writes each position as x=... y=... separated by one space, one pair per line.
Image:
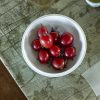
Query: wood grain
x=8 y=88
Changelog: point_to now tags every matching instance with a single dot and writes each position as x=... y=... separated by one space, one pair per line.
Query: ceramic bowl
x=62 y=24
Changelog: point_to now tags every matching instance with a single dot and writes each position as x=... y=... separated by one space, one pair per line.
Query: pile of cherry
x=53 y=47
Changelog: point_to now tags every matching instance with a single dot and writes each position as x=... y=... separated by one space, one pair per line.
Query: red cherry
x=42 y=31
x=43 y=56
x=55 y=36
x=70 y=52
x=36 y=44
x=46 y=41
x=58 y=63
x=55 y=51
x=66 y=39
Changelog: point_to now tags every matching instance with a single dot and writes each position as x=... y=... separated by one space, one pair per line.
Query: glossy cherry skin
x=46 y=41
x=36 y=44
x=70 y=52
x=66 y=39
x=42 y=31
x=43 y=56
x=58 y=63
x=55 y=36
x=55 y=51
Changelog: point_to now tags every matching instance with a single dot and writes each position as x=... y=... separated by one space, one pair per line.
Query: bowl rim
x=93 y=4
x=83 y=51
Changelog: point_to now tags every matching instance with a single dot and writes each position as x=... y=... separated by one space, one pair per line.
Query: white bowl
x=93 y=4
x=61 y=23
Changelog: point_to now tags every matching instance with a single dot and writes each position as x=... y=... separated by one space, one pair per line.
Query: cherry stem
x=52 y=29
x=41 y=25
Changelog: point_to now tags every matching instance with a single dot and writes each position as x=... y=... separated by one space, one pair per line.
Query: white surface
x=92 y=76
x=63 y=23
x=93 y=4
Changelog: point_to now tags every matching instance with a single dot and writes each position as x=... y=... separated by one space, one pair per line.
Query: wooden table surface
x=8 y=88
